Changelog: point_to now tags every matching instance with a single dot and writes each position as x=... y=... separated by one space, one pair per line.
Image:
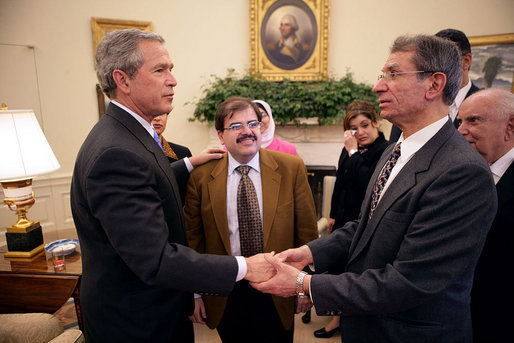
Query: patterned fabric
x=382 y=178
x=168 y=151
x=249 y=217
x=157 y=140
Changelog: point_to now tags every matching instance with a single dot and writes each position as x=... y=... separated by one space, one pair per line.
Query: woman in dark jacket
x=363 y=146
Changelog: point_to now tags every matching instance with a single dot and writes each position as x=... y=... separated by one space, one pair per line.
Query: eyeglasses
x=389 y=75
x=254 y=124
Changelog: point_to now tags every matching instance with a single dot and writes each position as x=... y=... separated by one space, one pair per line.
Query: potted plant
x=324 y=99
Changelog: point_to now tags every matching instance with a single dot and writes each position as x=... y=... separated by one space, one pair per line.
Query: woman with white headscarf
x=269 y=141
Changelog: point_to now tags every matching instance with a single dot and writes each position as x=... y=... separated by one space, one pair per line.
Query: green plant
x=325 y=99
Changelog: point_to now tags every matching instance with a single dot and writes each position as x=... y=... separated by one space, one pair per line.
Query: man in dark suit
x=466 y=88
x=487 y=122
x=138 y=273
x=406 y=265
x=213 y=225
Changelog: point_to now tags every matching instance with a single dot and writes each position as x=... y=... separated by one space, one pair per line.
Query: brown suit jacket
x=289 y=218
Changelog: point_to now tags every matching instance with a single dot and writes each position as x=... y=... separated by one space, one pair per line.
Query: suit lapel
x=270 y=191
x=401 y=184
x=142 y=136
x=218 y=199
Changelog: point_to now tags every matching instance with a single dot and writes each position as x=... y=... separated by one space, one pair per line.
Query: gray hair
x=120 y=50
x=434 y=54
x=292 y=20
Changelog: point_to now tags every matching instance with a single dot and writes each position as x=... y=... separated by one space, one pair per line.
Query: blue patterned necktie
x=249 y=216
x=382 y=178
x=157 y=140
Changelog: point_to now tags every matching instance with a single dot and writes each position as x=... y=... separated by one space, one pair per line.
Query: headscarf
x=268 y=135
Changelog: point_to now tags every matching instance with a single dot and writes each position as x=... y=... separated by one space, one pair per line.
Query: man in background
x=403 y=271
x=137 y=271
x=466 y=88
x=487 y=122
x=251 y=201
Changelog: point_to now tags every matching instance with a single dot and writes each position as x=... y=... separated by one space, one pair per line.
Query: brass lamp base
x=24 y=238
x=24 y=244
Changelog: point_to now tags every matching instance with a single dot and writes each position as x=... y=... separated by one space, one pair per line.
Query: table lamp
x=24 y=153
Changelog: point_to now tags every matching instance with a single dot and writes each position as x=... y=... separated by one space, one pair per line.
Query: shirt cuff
x=242 y=268
x=189 y=166
x=197 y=296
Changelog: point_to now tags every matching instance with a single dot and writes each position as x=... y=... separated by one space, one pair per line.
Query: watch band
x=299 y=284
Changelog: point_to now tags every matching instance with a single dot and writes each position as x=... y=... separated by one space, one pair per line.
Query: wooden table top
x=40 y=264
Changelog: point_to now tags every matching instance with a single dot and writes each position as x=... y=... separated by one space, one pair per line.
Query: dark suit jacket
x=181 y=173
x=492 y=297
x=181 y=151
x=353 y=174
x=289 y=216
x=409 y=269
x=396 y=132
x=137 y=269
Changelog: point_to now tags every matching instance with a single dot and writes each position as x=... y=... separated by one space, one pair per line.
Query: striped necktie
x=382 y=178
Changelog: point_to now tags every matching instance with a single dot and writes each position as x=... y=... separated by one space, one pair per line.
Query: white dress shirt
x=410 y=146
x=501 y=165
x=461 y=95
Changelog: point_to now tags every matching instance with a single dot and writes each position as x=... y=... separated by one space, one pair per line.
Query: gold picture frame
x=100 y=26
x=493 y=61
x=305 y=56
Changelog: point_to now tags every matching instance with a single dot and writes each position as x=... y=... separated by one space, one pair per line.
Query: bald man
x=487 y=122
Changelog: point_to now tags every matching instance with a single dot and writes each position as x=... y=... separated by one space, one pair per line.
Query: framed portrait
x=493 y=61
x=100 y=27
x=289 y=39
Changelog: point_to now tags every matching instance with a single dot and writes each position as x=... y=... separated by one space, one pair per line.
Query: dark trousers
x=251 y=316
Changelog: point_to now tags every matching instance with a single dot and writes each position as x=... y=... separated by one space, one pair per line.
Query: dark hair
x=232 y=105
x=458 y=37
x=358 y=107
x=434 y=54
x=119 y=49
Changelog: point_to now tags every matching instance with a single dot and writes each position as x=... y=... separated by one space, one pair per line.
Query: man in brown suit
x=286 y=210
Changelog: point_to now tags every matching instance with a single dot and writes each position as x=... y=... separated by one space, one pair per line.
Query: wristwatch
x=353 y=151
x=299 y=285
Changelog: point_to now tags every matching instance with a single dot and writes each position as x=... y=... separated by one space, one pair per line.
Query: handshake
x=277 y=274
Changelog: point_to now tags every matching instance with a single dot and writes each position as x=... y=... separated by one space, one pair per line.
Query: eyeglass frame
x=240 y=126
x=382 y=75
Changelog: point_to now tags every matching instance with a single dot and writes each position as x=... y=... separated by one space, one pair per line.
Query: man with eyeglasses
x=403 y=271
x=282 y=215
x=466 y=88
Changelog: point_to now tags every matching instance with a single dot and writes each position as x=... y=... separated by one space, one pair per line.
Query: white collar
x=501 y=165
x=148 y=127
x=233 y=164
x=415 y=141
x=461 y=95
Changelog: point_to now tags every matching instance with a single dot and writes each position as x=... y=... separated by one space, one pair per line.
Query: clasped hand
x=283 y=270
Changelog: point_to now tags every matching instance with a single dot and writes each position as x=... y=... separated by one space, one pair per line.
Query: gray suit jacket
x=137 y=268
x=406 y=275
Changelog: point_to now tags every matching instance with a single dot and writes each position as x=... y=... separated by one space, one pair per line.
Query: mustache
x=240 y=139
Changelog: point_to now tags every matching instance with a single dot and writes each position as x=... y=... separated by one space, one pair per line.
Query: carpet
x=67 y=315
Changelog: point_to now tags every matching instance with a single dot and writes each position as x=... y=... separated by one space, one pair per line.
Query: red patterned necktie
x=248 y=214
x=382 y=178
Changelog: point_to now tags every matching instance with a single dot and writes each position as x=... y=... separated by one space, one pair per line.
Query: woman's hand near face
x=349 y=141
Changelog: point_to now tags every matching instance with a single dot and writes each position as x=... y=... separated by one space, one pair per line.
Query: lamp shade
x=24 y=150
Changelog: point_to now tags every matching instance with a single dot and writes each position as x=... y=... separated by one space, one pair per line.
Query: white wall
x=204 y=37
